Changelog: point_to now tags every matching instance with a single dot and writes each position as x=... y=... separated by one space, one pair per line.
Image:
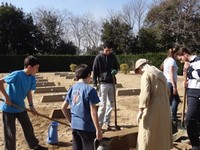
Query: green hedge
x=156 y=59
x=62 y=63
x=47 y=63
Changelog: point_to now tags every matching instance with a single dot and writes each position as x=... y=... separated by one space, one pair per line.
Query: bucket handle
x=49 y=132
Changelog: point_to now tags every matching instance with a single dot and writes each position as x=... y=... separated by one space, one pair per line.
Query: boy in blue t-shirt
x=82 y=99
x=20 y=84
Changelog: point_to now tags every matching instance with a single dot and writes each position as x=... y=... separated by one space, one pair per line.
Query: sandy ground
x=126 y=112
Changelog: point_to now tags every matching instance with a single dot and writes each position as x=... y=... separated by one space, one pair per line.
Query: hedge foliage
x=63 y=62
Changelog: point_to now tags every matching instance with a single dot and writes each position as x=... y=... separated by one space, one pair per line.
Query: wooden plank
x=53 y=98
x=50 y=89
x=128 y=92
x=119 y=85
x=57 y=113
x=63 y=74
x=39 y=77
x=70 y=76
x=41 y=80
x=43 y=84
x=57 y=73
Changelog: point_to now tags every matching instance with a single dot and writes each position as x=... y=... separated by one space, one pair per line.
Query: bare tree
x=42 y=14
x=188 y=22
x=49 y=24
x=92 y=33
x=155 y=3
x=76 y=30
x=128 y=14
x=84 y=31
x=133 y=13
x=139 y=7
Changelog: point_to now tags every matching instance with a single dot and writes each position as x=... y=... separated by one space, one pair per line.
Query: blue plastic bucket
x=52 y=137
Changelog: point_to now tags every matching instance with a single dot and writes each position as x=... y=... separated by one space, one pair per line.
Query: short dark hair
x=108 y=44
x=82 y=71
x=182 y=50
x=31 y=60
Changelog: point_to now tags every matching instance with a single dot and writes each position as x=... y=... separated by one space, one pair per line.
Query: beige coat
x=155 y=126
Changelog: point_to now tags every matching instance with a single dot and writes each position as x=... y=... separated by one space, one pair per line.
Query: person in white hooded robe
x=154 y=116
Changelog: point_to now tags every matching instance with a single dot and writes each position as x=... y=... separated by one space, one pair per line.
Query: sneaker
x=39 y=147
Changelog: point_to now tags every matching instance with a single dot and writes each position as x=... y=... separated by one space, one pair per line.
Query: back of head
x=172 y=50
x=181 y=51
x=82 y=71
x=108 y=44
x=31 y=60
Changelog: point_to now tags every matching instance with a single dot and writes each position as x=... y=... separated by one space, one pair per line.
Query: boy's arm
x=30 y=101
x=3 y=91
x=65 y=112
x=93 y=111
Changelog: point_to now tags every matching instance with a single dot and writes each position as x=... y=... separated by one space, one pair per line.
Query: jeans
x=106 y=94
x=10 y=130
x=174 y=101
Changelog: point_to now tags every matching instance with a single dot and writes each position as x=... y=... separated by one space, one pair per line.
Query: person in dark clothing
x=105 y=67
x=192 y=68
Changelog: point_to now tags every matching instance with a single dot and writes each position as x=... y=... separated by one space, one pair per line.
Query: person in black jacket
x=105 y=67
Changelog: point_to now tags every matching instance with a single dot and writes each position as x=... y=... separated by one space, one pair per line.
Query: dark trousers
x=10 y=130
x=192 y=119
x=83 y=140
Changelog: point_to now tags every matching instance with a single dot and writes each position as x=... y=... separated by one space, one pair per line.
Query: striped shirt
x=194 y=79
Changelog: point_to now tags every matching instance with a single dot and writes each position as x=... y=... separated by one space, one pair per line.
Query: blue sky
x=99 y=8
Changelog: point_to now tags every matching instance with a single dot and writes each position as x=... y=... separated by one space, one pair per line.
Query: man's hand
x=8 y=102
x=139 y=116
x=185 y=84
x=33 y=111
x=186 y=65
x=175 y=90
x=113 y=72
x=99 y=135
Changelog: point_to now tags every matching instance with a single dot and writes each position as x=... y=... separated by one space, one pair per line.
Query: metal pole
x=115 y=105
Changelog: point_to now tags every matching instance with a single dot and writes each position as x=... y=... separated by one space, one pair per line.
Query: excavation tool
x=182 y=131
x=115 y=105
x=38 y=114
